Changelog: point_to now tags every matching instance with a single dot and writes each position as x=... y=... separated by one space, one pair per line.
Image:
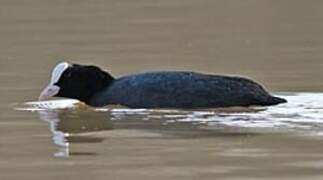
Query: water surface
x=276 y=43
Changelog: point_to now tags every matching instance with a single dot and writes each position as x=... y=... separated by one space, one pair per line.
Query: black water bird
x=167 y=89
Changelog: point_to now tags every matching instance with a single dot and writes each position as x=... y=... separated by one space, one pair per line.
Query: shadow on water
x=72 y=126
x=72 y=123
x=68 y=125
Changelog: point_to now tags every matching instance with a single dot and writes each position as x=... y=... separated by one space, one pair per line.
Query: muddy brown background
x=277 y=43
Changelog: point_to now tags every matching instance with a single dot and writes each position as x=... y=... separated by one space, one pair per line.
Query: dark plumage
x=167 y=89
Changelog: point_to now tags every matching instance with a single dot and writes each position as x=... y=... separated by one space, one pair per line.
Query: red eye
x=68 y=74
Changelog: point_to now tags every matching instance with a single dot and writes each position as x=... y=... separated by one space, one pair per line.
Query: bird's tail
x=272 y=100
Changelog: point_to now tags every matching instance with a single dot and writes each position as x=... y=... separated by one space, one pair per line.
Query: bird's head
x=76 y=81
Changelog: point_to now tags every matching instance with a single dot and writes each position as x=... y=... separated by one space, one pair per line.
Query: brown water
x=277 y=43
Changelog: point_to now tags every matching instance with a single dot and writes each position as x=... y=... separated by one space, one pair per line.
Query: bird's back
x=181 y=90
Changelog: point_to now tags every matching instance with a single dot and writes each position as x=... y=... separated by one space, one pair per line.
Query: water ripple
x=304 y=111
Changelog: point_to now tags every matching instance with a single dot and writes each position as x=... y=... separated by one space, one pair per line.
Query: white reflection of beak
x=48 y=92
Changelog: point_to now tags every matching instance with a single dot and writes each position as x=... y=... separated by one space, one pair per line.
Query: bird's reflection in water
x=71 y=126
x=71 y=123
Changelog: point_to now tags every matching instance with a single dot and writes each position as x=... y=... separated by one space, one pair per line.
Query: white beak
x=51 y=90
x=48 y=92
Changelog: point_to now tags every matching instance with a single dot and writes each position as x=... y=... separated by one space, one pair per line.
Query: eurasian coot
x=167 y=89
